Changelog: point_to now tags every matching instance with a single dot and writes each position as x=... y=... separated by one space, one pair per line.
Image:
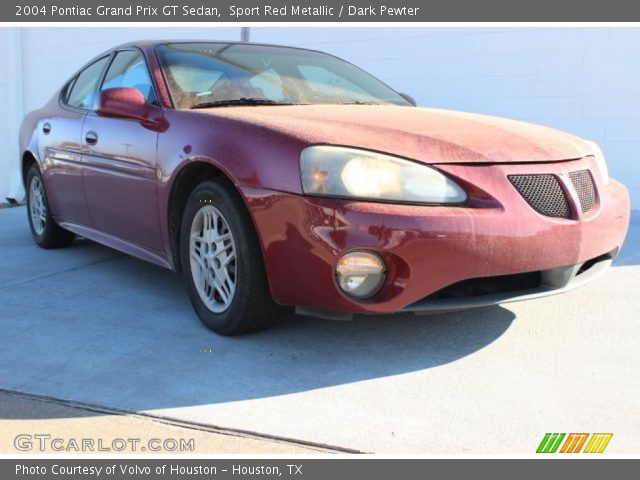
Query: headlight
x=600 y=161
x=352 y=173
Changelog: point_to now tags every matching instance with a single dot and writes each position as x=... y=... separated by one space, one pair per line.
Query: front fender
x=250 y=155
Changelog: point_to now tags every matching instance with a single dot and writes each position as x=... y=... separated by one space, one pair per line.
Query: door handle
x=91 y=138
x=46 y=128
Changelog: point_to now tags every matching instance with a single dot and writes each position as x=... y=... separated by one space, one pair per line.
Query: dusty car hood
x=429 y=135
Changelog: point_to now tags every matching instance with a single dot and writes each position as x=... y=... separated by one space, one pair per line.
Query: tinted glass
x=67 y=90
x=84 y=89
x=129 y=69
x=211 y=72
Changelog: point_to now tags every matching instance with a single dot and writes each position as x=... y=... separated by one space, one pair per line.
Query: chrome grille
x=544 y=193
x=583 y=183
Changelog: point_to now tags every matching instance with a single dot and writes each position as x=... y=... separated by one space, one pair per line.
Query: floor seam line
x=166 y=420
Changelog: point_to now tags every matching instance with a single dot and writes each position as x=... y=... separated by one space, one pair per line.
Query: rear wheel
x=222 y=262
x=46 y=233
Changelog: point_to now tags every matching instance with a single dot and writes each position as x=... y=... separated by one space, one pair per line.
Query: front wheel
x=44 y=230
x=222 y=263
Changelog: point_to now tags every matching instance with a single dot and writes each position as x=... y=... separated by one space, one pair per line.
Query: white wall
x=583 y=80
x=5 y=163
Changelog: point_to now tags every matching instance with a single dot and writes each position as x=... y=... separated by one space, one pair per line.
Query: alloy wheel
x=37 y=206
x=213 y=259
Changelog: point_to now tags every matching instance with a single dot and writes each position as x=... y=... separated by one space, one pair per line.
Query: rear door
x=60 y=135
x=120 y=161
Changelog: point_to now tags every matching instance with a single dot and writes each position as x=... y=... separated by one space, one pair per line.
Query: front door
x=120 y=162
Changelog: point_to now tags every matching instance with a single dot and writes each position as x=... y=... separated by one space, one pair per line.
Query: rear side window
x=84 y=88
x=129 y=70
x=67 y=90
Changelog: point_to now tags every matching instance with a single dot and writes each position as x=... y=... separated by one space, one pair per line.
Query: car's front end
x=373 y=232
x=526 y=230
x=364 y=204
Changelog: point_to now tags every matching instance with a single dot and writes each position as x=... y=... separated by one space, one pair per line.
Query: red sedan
x=281 y=176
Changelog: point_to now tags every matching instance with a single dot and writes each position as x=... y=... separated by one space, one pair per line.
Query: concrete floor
x=24 y=415
x=91 y=325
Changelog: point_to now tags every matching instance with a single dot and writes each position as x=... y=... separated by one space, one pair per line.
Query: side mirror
x=128 y=103
x=409 y=99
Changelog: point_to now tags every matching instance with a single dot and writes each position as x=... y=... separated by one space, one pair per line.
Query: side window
x=84 y=88
x=129 y=70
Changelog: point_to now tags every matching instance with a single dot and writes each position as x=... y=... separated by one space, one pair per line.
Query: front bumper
x=512 y=288
x=429 y=248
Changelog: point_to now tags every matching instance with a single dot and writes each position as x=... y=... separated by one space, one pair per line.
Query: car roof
x=154 y=43
x=150 y=44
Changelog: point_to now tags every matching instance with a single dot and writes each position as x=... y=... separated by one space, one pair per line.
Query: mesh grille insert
x=583 y=183
x=543 y=192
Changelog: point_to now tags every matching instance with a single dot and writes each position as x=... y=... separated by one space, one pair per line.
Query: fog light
x=360 y=274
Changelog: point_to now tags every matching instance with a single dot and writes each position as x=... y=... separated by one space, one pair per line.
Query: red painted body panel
x=423 y=134
x=120 y=180
x=119 y=191
x=61 y=152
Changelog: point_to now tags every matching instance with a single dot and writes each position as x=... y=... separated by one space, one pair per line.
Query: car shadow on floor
x=630 y=253
x=122 y=333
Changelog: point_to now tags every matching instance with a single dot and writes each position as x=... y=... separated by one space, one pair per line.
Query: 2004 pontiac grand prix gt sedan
x=274 y=176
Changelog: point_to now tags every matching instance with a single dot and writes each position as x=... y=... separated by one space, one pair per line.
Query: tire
x=44 y=230
x=232 y=299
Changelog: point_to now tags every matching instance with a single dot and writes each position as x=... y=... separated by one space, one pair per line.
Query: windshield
x=209 y=74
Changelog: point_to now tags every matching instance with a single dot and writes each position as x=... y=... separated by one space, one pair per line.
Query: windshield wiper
x=239 y=101
x=359 y=102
